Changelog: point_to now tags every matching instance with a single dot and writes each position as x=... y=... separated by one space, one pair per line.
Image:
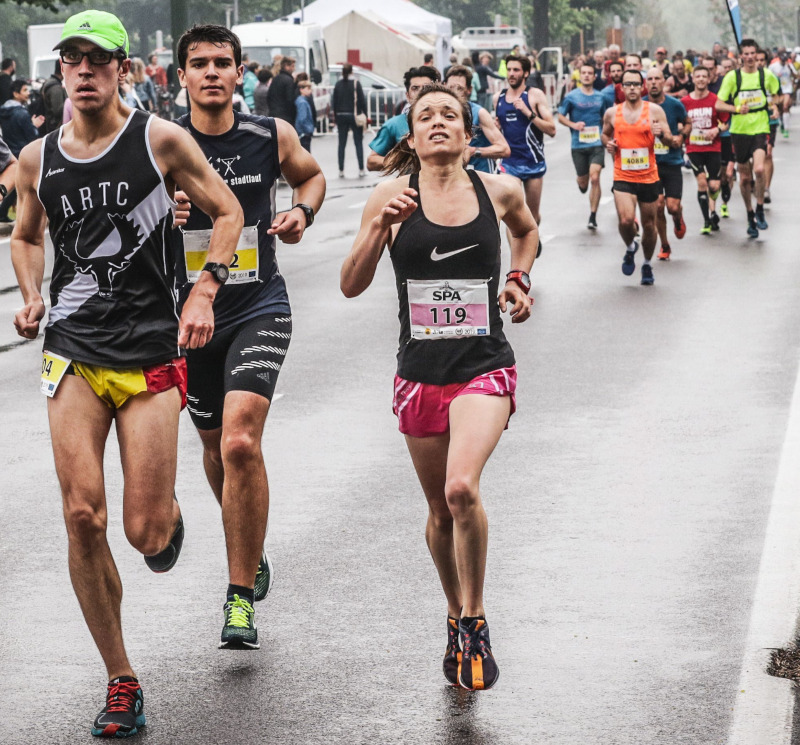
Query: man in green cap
x=112 y=345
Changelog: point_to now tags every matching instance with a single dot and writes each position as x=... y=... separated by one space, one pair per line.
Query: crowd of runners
x=166 y=293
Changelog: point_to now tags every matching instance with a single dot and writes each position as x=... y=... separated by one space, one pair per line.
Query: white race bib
x=754 y=99
x=243 y=268
x=589 y=136
x=634 y=159
x=53 y=368
x=448 y=308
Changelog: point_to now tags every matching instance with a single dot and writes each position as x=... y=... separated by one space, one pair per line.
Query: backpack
x=762 y=84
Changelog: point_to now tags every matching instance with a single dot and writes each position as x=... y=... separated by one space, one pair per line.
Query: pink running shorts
x=423 y=410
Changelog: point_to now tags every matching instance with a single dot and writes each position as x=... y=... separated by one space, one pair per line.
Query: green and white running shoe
x=265 y=576
x=239 y=631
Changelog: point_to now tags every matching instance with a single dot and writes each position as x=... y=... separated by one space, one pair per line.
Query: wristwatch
x=521 y=278
x=220 y=272
x=3 y=191
x=308 y=212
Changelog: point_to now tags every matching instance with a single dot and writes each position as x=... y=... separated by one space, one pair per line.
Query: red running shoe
x=680 y=227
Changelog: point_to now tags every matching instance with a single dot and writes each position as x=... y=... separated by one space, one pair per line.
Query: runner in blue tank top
x=487 y=142
x=525 y=117
x=456 y=377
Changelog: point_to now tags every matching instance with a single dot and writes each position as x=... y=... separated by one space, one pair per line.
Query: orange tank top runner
x=635 y=159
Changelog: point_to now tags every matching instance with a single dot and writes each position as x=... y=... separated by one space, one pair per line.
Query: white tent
x=402 y=14
x=389 y=50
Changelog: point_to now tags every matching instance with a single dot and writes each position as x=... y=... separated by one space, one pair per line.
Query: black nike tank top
x=112 y=293
x=447 y=284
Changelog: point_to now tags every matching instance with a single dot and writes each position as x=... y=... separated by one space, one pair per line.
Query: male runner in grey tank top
x=113 y=334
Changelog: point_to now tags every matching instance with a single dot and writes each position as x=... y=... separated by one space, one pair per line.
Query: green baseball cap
x=98 y=27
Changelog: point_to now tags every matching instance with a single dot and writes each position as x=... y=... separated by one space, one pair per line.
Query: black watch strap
x=220 y=272
x=307 y=211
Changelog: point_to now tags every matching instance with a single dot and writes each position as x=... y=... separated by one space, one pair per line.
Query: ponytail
x=401 y=159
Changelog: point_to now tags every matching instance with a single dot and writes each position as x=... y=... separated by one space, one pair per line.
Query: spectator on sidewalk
x=53 y=97
x=250 y=82
x=7 y=70
x=282 y=92
x=349 y=100
x=304 y=121
x=260 y=94
x=19 y=127
x=299 y=78
x=155 y=72
x=143 y=85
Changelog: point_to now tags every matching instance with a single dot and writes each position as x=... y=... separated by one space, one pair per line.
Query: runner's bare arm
x=374 y=162
x=545 y=120
x=27 y=243
x=182 y=162
x=304 y=176
x=509 y=197
x=685 y=131
x=498 y=148
x=577 y=126
x=607 y=135
x=388 y=205
x=660 y=125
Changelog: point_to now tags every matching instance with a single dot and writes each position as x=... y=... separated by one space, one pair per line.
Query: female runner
x=456 y=376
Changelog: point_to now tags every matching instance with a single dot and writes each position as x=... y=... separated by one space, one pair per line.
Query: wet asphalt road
x=627 y=507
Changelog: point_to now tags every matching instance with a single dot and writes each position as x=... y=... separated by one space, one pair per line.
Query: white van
x=262 y=42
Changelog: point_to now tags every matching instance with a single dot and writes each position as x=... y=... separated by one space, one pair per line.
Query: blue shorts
x=523 y=171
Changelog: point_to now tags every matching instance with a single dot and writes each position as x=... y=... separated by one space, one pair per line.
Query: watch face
x=223 y=273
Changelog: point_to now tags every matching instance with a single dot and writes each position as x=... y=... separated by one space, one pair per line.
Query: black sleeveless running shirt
x=246 y=157
x=112 y=293
x=423 y=250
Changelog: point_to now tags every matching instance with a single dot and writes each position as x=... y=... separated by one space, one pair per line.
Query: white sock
x=787 y=118
x=646 y=262
x=632 y=247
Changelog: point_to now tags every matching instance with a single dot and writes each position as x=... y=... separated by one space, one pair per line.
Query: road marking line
x=357 y=205
x=606 y=200
x=546 y=238
x=763 y=711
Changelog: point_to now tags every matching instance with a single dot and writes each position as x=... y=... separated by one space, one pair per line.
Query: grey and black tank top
x=112 y=293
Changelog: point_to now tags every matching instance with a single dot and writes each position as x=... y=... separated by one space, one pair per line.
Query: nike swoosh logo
x=439 y=256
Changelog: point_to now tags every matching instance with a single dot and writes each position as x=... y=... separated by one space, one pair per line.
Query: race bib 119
x=448 y=308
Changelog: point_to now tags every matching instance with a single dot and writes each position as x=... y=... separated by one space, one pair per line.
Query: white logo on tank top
x=436 y=256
